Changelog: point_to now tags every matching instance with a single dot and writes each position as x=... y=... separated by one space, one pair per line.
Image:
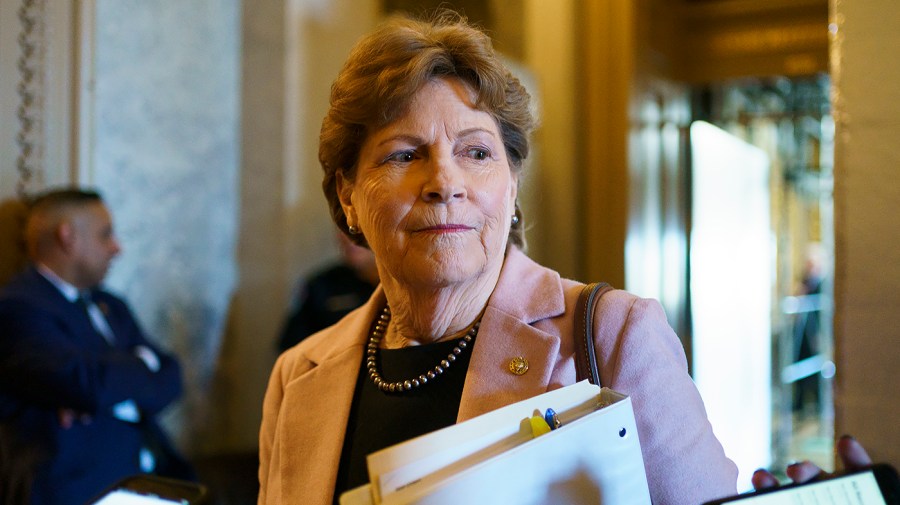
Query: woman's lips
x=445 y=228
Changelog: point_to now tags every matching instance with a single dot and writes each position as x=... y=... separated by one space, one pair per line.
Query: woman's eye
x=401 y=157
x=478 y=153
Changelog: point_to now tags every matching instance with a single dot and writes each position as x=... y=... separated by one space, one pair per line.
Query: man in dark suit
x=330 y=294
x=80 y=384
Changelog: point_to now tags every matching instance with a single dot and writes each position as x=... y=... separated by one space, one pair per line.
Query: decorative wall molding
x=55 y=51
x=30 y=87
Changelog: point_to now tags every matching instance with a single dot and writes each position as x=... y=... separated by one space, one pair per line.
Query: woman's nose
x=445 y=181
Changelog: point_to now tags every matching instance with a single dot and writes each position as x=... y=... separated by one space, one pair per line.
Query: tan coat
x=529 y=314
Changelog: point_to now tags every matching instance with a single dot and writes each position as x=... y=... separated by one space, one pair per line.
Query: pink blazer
x=530 y=314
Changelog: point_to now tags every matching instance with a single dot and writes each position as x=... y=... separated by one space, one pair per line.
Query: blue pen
x=552 y=419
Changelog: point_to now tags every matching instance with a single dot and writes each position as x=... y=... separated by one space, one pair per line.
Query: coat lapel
x=68 y=313
x=316 y=406
x=316 y=409
x=525 y=293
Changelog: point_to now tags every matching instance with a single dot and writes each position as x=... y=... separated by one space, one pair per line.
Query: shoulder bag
x=585 y=356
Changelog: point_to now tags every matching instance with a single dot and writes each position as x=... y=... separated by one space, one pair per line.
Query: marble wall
x=166 y=127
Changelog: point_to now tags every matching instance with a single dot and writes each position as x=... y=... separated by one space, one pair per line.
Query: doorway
x=756 y=73
x=786 y=121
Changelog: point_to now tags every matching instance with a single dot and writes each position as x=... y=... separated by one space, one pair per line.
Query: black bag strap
x=585 y=355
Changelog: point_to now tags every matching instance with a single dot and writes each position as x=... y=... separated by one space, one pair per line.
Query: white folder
x=593 y=457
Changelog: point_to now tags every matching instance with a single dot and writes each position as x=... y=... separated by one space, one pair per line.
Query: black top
x=378 y=419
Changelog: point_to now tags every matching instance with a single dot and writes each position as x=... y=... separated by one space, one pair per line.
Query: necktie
x=98 y=321
x=125 y=410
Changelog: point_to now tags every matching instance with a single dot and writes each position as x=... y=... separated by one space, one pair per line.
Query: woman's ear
x=345 y=194
x=514 y=191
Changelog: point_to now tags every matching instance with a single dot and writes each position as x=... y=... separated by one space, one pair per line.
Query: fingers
x=852 y=454
x=803 y=471
x=763 y=479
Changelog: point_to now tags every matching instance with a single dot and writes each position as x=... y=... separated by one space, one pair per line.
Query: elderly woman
x=423 y=149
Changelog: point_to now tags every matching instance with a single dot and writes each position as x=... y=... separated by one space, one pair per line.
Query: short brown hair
x=63 y=197
x=46 y=209
x=386 y=69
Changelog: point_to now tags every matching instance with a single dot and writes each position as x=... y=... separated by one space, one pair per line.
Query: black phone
x=876 y=485
x=147 y=489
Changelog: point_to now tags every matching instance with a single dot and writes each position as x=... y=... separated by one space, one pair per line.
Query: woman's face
x=434 y=192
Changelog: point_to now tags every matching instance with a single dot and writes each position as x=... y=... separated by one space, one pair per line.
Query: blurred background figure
x=80 y=384
x=331 y=293
x=806 y=327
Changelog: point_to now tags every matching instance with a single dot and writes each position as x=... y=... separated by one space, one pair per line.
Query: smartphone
x=876 y=485
x=146 y=489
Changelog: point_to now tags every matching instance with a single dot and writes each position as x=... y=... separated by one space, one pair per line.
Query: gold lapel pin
x=518 y=365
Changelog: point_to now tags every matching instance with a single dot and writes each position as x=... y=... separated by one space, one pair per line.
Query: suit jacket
x=530 y=314
x=52 y=358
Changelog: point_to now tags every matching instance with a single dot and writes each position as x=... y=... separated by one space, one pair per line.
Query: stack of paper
x=593 y=457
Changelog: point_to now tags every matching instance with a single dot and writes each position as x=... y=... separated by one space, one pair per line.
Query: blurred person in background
x=807 y=328
x=330 y=294
x=80 y=384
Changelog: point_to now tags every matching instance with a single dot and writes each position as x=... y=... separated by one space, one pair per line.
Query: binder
x=593 y=457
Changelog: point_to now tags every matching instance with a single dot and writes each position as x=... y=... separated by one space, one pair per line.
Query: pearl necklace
x=400 y=386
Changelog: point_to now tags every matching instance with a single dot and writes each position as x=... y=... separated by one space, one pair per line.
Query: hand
x=148 y=357
x=852 y=455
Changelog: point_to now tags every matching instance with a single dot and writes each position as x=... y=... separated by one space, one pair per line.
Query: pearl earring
x=353 y=230
x=515 y=220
